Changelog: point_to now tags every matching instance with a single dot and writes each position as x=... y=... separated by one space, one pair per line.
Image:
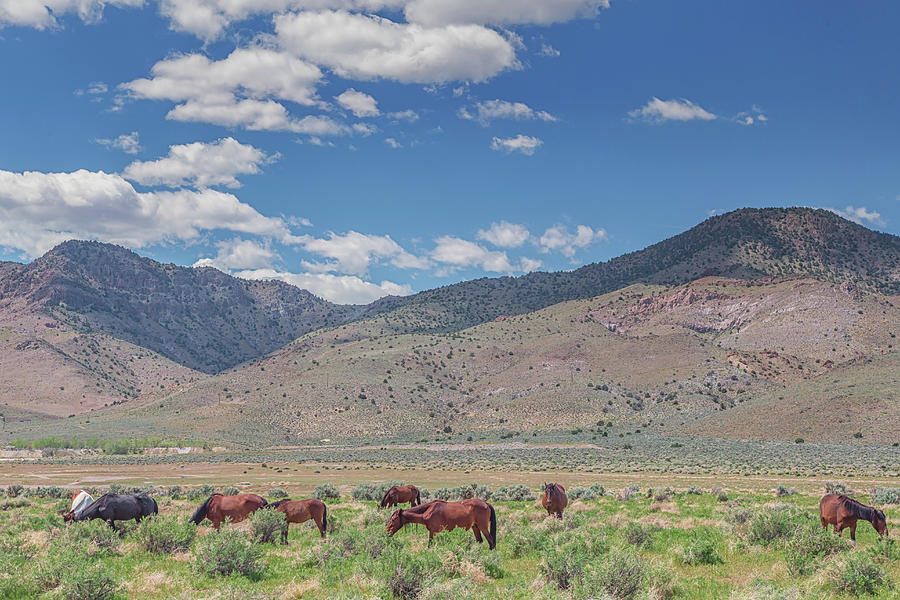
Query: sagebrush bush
x=14 y=490
x=165 y=534
x=783 y=490
x=838 y=487
x=406 y=575
x=230 y=491
x=768 y=525
x=591 y=492
x=227 y=551
x=174 y=492
x=94 y=532
x=886 y=496
x=517 y=492
x=268 y=525
x=629 y=492
x=365 y=491
x=200 y=493
x=638 y=534
x=89 y=583
x=326 y=491
x=700 y=549
x=622 y=574
x=857 y=574
x=695 y=490
x=277 y=493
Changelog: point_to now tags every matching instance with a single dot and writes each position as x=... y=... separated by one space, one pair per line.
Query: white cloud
x=858 y=215
x=548 y=51
x=368 y=47
x=200 y=165
x=530 y=264
x=343 y=289
x=558 y=238
x=405 y=115
x=237 y=91
x=504 y=235
x=524 y=144
x=42 y=14
x=457 y=253
x=658 y=111
x=500 y=12
x=237 y=253
x=359 y=103
x=487 y=111
x=354 y=252
x=39 y=210
x=129 y=143
x=749 y=117
x=393 y=143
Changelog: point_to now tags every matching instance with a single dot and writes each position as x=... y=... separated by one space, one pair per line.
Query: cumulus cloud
x=501 y=12
x=42 y=14
x=457 y=253
x=393 y=143
x=504 y=235
x=343 y=289
x=405 y=115
x=129 y=143
x=659 y=111
x=200 y=165
x=860 y=215
x=754 y=116
x=39 y=210
x=530 y=264
x=548 y=51
x=559 y=238
x=238 y=253
x=524 y=144
x=368 y=47
x=485 y=112
x=353 y=252
x=359 y=103
x=238 y=91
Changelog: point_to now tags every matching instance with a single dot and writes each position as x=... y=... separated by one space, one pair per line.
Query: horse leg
x=284 y=534
x=853 y=533
x=477 y=533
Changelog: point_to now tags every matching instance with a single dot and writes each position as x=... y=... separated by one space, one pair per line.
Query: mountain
x=200 y=318
x=747 y=243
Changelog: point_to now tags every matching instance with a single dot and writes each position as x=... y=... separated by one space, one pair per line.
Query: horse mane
x=386 y=494
x=200 y=514
x=89 y=509
x=857 y=508
x=276 y=504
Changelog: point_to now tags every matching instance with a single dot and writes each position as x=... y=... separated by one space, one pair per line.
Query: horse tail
x=155 y=507
x=385 y=499
x=201 y=512
x=324 y=518
x=265 y=502
x=493 y=524
x=418 y=497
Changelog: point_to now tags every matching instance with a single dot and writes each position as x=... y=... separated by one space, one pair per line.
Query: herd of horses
x=474 y=514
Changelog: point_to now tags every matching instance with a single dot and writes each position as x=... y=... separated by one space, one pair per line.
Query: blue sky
x=364 y=147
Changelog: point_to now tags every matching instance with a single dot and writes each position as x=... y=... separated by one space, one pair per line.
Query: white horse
x=80 y=501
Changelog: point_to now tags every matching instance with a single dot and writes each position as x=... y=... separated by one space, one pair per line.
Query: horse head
x=395 y=522
x=68 y=516
x=879 y=522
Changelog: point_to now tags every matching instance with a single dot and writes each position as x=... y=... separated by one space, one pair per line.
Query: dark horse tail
x=201 y=512
x=324 y=518
x=418 y=497
x=385 y=499
x=493 y=524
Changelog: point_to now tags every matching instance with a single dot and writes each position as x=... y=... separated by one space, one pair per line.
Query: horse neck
x=860 y=510
x=407 y=516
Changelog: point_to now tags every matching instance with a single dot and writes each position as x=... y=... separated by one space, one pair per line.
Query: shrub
x=857 y=574
x=268 y=525
x=638 y=534
x=624 y=575
x=565 y=566
x=14 y=490
x=886 y=496
x=514 y=493
x=231 y=491
x=662 y=494
x=407 y=574
x=700 y=549
x=884 y=548
x=716 y=490
x=175 y=492
x=629 y=492
x=764 y=590
x=694 y=490
x=809 y=543
x=771 y=524
x=365 y=491
x=227 y=551
x=89 y=583
x=325 y=491
x=782 y=490
x=722 y=497
x=165 y=534
x=837 y=487
x=95 y=532
x=200 y=493
x=278 y=493
x=589 y=493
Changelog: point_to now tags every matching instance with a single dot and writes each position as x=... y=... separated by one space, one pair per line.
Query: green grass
x=692 y=548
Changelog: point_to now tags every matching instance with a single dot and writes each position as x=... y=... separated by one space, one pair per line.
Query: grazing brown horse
x=401 y=493
x=218 y=507
x=843 y=512
x=555 y=499
x=299 y=511
x=474 y=514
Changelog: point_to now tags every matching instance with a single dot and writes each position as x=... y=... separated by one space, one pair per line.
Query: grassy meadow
x=640 y=540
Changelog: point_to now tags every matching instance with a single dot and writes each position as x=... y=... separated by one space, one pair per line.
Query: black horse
x=119 y=507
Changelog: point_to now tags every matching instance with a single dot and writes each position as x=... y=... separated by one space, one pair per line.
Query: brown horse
x=299 y=511
x=474 y=514
x=555 y=499
x=401 y=493
x=218 y=507
x=843 y=512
